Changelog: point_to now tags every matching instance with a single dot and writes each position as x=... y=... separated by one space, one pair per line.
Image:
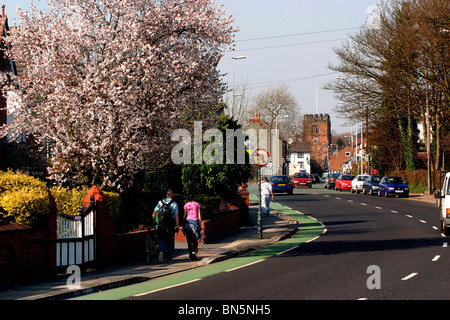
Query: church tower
x=317 y=134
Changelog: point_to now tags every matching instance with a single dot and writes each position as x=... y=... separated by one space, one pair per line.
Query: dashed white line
x=436 y=258
x=338 y=198
x=363 y=204
x=393 y=211
x=379 y=208
x=350 y=200
x=435 y=228
x=410 y=276
x=409 y=216
x=423 y=221
x=444 y=245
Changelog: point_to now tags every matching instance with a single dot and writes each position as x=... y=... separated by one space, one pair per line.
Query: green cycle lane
x=310 y=229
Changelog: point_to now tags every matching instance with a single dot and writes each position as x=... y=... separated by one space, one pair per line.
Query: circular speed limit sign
x=261 y=157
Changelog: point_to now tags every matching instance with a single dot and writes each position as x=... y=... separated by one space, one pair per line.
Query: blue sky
x=299 y=61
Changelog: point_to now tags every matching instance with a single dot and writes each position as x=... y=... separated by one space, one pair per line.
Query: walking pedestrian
x=266 y=193
x=165 y=215
x=192 y=226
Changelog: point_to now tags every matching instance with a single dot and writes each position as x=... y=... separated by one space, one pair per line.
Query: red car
x=302 y=180
x=344 y=182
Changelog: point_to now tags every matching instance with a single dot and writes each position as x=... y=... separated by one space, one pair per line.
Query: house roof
x=301 y=147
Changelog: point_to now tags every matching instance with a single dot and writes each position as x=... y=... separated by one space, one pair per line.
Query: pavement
x=276 y=227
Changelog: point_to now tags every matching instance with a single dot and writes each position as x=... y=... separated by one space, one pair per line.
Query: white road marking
x=157 y=290
x=410 y=276
x=245 y=265
x=409 y=216
x=423 y=221
x=436 y=258
x=363 y=204
x=444 y=245
x=379 y=208
x=393 y=211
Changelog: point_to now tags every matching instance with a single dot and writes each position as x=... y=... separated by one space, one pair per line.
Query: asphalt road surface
x=374 y=248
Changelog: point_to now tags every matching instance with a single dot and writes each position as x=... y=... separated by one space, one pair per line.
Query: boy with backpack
x=165 y=215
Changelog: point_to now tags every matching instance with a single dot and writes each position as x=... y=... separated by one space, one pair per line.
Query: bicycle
x=151 y=245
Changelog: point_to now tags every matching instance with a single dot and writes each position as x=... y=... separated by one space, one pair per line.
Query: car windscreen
x=348 y=177
x=375 y=179
x=281 y=178
x=301 y=175
x=395 y=180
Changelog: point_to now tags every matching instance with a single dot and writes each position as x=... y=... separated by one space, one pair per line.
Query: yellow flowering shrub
x=68 y=200
x=23 y=199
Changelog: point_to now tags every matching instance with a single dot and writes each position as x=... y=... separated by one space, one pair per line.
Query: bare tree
x=276 y=102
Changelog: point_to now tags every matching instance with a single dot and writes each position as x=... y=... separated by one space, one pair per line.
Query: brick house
x=3 y=68
x=339 y=158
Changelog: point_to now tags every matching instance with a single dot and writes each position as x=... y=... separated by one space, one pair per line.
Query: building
x=300 y=158
x=3 y=68
x=340 y=160
x=317 y=134
x=266 y=138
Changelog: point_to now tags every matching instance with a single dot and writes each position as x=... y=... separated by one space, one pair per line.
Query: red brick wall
x=27 y=253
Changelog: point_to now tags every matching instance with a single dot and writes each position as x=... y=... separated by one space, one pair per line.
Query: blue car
x=393 y=186
x=281 y=184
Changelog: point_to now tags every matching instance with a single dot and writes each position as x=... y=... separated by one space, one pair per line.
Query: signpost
x=260 y=158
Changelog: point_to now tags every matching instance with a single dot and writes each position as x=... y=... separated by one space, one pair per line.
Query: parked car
x=330 y=180
x=315 y=178
x=444 y=205
x=344 y=182
x=281 y=184
x=302 y=180
x=370 y=185
x=393 y=186
x=357 y=183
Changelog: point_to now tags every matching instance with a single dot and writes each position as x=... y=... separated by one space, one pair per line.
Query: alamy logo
x=214 y=147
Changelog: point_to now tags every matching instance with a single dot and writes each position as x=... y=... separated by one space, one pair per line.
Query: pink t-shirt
x=192 y=210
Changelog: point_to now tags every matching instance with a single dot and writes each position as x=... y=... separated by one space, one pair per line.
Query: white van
x=444 y=204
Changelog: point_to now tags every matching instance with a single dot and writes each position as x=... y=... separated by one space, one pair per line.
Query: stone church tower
x=317 y=134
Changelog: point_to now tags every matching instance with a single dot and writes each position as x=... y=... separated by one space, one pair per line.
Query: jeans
x=265 y=204
x=169 y=242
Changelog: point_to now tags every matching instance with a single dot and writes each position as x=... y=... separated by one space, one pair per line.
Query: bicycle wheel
x=149 y=249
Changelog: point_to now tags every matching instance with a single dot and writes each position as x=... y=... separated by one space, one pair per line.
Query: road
x=373 y=249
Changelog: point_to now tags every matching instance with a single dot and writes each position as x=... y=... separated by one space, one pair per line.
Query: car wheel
x=386 y=194
x=357 y=190
x=371 y=192
x=444 y=230
x=364 y=191
x=379 y=192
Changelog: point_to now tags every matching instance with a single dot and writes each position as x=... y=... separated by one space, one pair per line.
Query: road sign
x=261 y=157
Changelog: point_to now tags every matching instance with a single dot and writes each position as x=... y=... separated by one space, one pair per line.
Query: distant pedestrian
x=165 y=215
x=266 y=193
x=192 y=226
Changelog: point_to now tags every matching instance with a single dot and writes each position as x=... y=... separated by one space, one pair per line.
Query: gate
x=75 y=243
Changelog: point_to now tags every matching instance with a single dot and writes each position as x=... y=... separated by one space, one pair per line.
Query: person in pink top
x=192 y=226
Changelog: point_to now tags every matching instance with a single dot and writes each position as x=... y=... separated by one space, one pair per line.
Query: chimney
x=3 y=11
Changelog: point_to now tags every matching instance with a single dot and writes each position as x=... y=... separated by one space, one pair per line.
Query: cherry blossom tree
x=107 y=81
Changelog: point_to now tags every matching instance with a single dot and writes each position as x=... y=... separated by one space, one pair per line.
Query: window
x=347 y=154
x=301 y=155
x=315 y=129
